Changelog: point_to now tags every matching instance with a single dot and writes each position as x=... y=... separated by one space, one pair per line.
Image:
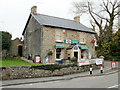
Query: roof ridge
x=58 y=17
x=68 y=24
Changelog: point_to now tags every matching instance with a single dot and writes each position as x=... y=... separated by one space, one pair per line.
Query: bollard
x=101 y=69
x=90 y=69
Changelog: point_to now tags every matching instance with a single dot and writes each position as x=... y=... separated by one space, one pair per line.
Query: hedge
x=52 y=67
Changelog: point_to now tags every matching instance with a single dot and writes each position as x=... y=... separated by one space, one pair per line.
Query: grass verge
x=15 y=62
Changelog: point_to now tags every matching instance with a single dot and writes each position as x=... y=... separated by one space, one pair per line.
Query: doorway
x=76 y=54
x=20 y=48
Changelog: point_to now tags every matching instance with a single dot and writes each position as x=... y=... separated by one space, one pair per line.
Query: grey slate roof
x=60 y=22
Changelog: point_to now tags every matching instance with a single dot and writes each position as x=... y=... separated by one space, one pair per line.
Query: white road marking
x=114 y=86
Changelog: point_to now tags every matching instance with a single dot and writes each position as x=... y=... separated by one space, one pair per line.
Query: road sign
x=113 y=64
x=82 y=63
x=99 y=61
x=47 y=61
x=68 y=41
x=37 y=60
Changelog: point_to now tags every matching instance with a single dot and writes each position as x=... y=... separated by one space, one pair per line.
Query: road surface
x=105 y=81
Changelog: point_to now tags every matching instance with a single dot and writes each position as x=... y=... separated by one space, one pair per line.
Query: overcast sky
x=14 y=13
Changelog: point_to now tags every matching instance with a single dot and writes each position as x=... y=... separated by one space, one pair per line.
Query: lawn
x=14 y=62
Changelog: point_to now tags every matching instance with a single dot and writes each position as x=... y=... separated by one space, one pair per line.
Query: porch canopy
x=81 y=47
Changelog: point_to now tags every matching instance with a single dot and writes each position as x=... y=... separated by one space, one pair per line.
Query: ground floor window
x=58 y=53
x=82 y=54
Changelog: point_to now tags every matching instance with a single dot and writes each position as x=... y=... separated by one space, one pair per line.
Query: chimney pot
x=77 y=18
x=34 y=10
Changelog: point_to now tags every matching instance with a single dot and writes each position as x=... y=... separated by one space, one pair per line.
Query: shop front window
x=58 y=53
x=82 y=54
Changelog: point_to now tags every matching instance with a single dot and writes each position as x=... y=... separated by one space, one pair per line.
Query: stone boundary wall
x=9 y=73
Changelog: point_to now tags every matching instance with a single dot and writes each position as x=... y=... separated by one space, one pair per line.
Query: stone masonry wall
x=32 y=38
x=48 y=43
x=9 y=73
x=49 y=38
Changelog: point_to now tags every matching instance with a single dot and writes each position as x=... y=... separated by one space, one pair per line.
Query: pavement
x=106 y=71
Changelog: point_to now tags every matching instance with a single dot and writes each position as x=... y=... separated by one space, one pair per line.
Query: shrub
x=113 y=58
x=74 y=60
x=49 y=53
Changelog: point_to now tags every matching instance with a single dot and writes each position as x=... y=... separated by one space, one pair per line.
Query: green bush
x=74 y=60
x=113 y=58
x=49 y=53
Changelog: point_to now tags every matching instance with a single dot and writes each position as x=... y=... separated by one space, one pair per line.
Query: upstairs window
x=82 y=40
x=59 y=35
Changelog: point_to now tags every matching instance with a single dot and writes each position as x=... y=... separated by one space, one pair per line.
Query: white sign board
x=37 y=59
x=81 y=63
x=99 y=61
x=47 y=61
x=89 y=55
x=68 y=41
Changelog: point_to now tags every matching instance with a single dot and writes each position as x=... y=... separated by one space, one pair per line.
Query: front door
x=20 y=50
x=76 y=51
x=76 y=54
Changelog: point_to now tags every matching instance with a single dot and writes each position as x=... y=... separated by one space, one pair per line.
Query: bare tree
x=102 y=19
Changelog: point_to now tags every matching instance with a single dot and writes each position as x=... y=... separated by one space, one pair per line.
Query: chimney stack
x=34 y=10
x=77 y=18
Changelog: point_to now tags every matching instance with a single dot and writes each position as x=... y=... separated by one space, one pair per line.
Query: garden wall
x=22 y=72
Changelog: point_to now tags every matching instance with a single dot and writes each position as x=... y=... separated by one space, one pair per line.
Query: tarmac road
x=104 y=81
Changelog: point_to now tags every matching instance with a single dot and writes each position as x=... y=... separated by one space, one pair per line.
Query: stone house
x=64 y=38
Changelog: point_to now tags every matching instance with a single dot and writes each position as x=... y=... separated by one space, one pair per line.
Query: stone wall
x=50 y=37
x=9 y=73
x=32 y=38
x=48 y=43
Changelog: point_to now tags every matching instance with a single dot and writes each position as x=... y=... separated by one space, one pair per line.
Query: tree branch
x=89 y=9
x=106 y=7
x=101 y=17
